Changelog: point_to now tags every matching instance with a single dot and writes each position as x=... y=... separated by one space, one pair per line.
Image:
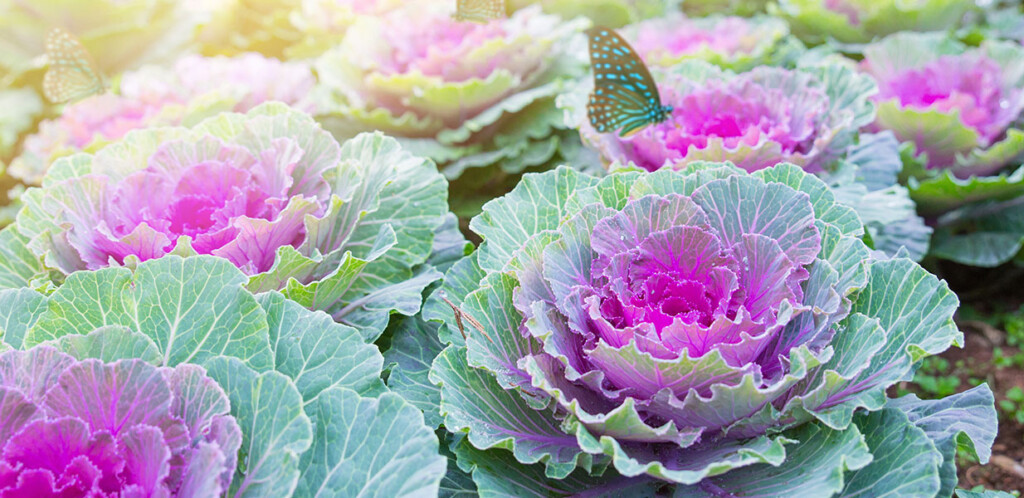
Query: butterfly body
x=73 y=74
x=480 y=11
x=625 y=96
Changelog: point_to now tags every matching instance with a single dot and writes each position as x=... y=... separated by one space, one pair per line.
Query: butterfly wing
x=73 y=73
x=625 y=96
x=481 y=11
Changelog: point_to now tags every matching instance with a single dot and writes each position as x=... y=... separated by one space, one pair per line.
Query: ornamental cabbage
x=755 y=119
x=860 y=21
x=959 y=108
x=342 y=228
x=810 y=116
x=154 y=96
x=465 y=94
x=706 y=328
x=733 y=42
x=173 y=375
x=94 y=428
x=957 y=105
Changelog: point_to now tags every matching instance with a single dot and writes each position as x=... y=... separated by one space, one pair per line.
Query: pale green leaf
x=369 y=447
x=414 y=345
x=109 y=343
x=471 y=400
x=317 y=353
x=964 y=421
x=275 y=429
x=193 y=309
x=19 y=311
x=905 y=462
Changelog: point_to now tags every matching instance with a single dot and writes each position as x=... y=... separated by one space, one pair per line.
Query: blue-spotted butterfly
x=481 y=11
x=625 y=96
x=73 y=74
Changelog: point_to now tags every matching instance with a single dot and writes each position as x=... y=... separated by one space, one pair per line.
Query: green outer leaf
x=690 y=467
x=538 y=203
x=981 y=234
x=965 y=420
x=471 y=400
x=194 y=309
x=744 y=8
x=826 y=207
x=905 y=461
x=815 y=466
x=414 y=345
x=814 y=22
x=110 y=343
x=317 y=353
x=449 y=245
x=497 y=473
x=275 y=430
x=385 y=449
x=456 y=483
x=945 y=192
x=461 y=279
x=18 y=266
x=984 y=249
x=19 y=311
x=913 y=306
x=902 y=314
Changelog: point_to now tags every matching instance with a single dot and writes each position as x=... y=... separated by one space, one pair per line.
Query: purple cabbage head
x=686 y=325
x=756 y=119
x=959 y=106
x=127 y=428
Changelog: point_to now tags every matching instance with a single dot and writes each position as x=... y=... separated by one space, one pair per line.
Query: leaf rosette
x=810 y=116
x=958 y=108
x=957 y=105
x=465 y=94
x=194 y=88
x=755 y=119
x=861 y=21
x=731 y=42
x=704 y=327
x=91 y=428
x=347 y=229
x=173 y=379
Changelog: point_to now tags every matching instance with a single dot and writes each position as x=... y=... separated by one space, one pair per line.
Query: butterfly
x=481 y=11
x=625 y=96
x=73 y=73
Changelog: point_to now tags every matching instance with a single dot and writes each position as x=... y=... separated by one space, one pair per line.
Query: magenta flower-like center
x=968 y=84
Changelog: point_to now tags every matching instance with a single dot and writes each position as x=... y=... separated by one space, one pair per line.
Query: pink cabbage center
x=968 y=84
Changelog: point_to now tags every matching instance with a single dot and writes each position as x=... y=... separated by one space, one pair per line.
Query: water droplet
x=1005 y=104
